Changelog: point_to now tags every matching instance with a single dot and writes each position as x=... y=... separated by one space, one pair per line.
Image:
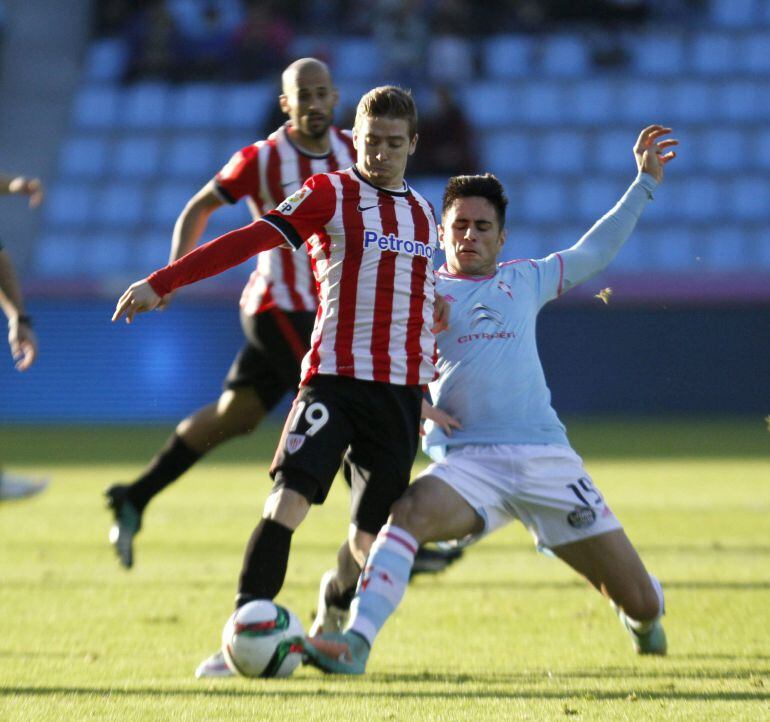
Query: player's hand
x=440 y=314
x=138 y=298
x=651 y=154
x=439 y=417
x=23 y=343
x=32 y=187
x=165 y=302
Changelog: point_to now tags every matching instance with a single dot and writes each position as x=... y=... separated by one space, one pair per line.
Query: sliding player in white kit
x=511 y=458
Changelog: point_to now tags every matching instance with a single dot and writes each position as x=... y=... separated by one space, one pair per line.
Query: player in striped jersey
x=511 y=458
x=371 y=239
x=279 y=302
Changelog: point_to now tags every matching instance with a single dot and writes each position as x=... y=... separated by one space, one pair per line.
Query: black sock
x=167 y=466
x=265 y=562
x=340 y=592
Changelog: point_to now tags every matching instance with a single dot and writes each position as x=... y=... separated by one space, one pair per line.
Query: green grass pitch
x=504 y=634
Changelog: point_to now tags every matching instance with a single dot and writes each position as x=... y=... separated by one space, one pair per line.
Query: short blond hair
x=388 y=101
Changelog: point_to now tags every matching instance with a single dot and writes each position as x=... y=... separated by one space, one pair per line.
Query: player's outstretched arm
x=137 y=298
x=596 y=249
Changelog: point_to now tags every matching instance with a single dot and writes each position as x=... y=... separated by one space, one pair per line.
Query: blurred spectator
x=206 y=44
x=445 y=146
x=262 y=41
x=153 y=40
x=400 y=29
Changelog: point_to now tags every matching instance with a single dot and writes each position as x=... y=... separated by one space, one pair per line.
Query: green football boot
x=337 y=653
x=651 y=641
x=128 y=522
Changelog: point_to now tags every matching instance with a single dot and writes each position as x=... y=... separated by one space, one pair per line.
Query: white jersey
x=372 y=255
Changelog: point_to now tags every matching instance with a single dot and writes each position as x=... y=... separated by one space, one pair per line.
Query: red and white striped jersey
x=372 y=255
x=268 y=171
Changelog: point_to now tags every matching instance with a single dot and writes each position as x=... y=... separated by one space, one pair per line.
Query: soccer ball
x=255 y=640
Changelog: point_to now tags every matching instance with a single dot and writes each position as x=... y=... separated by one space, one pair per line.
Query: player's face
x=309 y=101
x=471 y=237
x=382 y=148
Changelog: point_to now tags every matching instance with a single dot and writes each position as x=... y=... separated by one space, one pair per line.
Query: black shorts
x=270 y=360
x=376 y=426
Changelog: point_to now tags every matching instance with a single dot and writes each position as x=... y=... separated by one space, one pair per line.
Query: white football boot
x=328 y=618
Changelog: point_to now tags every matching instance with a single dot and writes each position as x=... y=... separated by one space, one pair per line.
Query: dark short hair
x=485 y=186
x=389 y=101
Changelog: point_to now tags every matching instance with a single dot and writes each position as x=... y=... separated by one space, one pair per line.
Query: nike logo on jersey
x=361 y=209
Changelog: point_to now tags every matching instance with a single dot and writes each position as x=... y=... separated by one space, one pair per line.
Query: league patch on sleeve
x=290 y=204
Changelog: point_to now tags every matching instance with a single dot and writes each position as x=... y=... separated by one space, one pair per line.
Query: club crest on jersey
x=399 y=245
x=581 y=517
x=294 y=443
x=293 y=202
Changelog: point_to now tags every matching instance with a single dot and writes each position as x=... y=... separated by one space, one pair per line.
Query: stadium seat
x=714 y=53
x=506 y=152
x=107 y=251
x=120 y=205
x=145 y=105
x=593 y=101
x=563 y=55
x=137 y=157
x=151 y=249
x=544 y=103
x=226 y=219
x=755 y=52
x=687 y=101
x=507 y=56
x=701 y=200
x=193 y=106
x=722 y=149
x=742 y=100
x=83 y=157
x=356 y=58
x=659 y=54
x=748 y=197
x=671 y=248
x=636 y=254
x=724 y=247
x=106 y=60
x=166 y=202
x=58 y=255
x=612 y=151
x=760 y=154
x=523 y=241
x=247 y=105
x=489 y=104
x=762 y=254
x=450 y=59
x=734 y=13
x=641 y=100
x=193 y=157
x=69 y=204
x=543 y=200
x=561 y=151
x=96 y=106
x=594 y=197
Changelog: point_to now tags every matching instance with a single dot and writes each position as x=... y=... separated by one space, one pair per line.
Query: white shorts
x=545 y=486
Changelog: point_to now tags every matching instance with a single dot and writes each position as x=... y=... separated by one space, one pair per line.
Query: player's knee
x=240 y=410
x=287 y=507
x=411 y=514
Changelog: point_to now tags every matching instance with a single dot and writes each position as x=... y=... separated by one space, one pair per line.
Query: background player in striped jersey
x=511 y=458
x=372 y=239
x=279 y=302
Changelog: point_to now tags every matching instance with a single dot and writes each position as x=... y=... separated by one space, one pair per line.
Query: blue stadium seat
x=450 y=59
x=167 y=201
x=689 y=101
x=506 y=152
x=137 y=156
x=733 y=13
x=151 y=249
x=83 y=157
x=96 y=106
x=69 y=204
x=671 y=248
x=756 y=54
x=489 y=104
x=120 y=205
x=194 y=105
x=228 y=218
x=593 y=101
x=543 y=200
x=107 y=251
x=226 y=147
x=145 y=105
x=432 y=189
x=762 y=255
x=523 y=241
x=193 y=157
x=636 y=255
x=723 y=149
x=564 y=55
x=760 y=155
x=748 y=198
x=247 y=105
x=723 y=248
x=659 y=54
x=641 y=100
x=507 y=56
x=561 y=151
x=106 y=59
x=544 y=104
x=612 y=150
x=714 y=53
x=743 y=100
x=702 y=199
x=57 y=255
x=595 y=196
x=357 y=58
